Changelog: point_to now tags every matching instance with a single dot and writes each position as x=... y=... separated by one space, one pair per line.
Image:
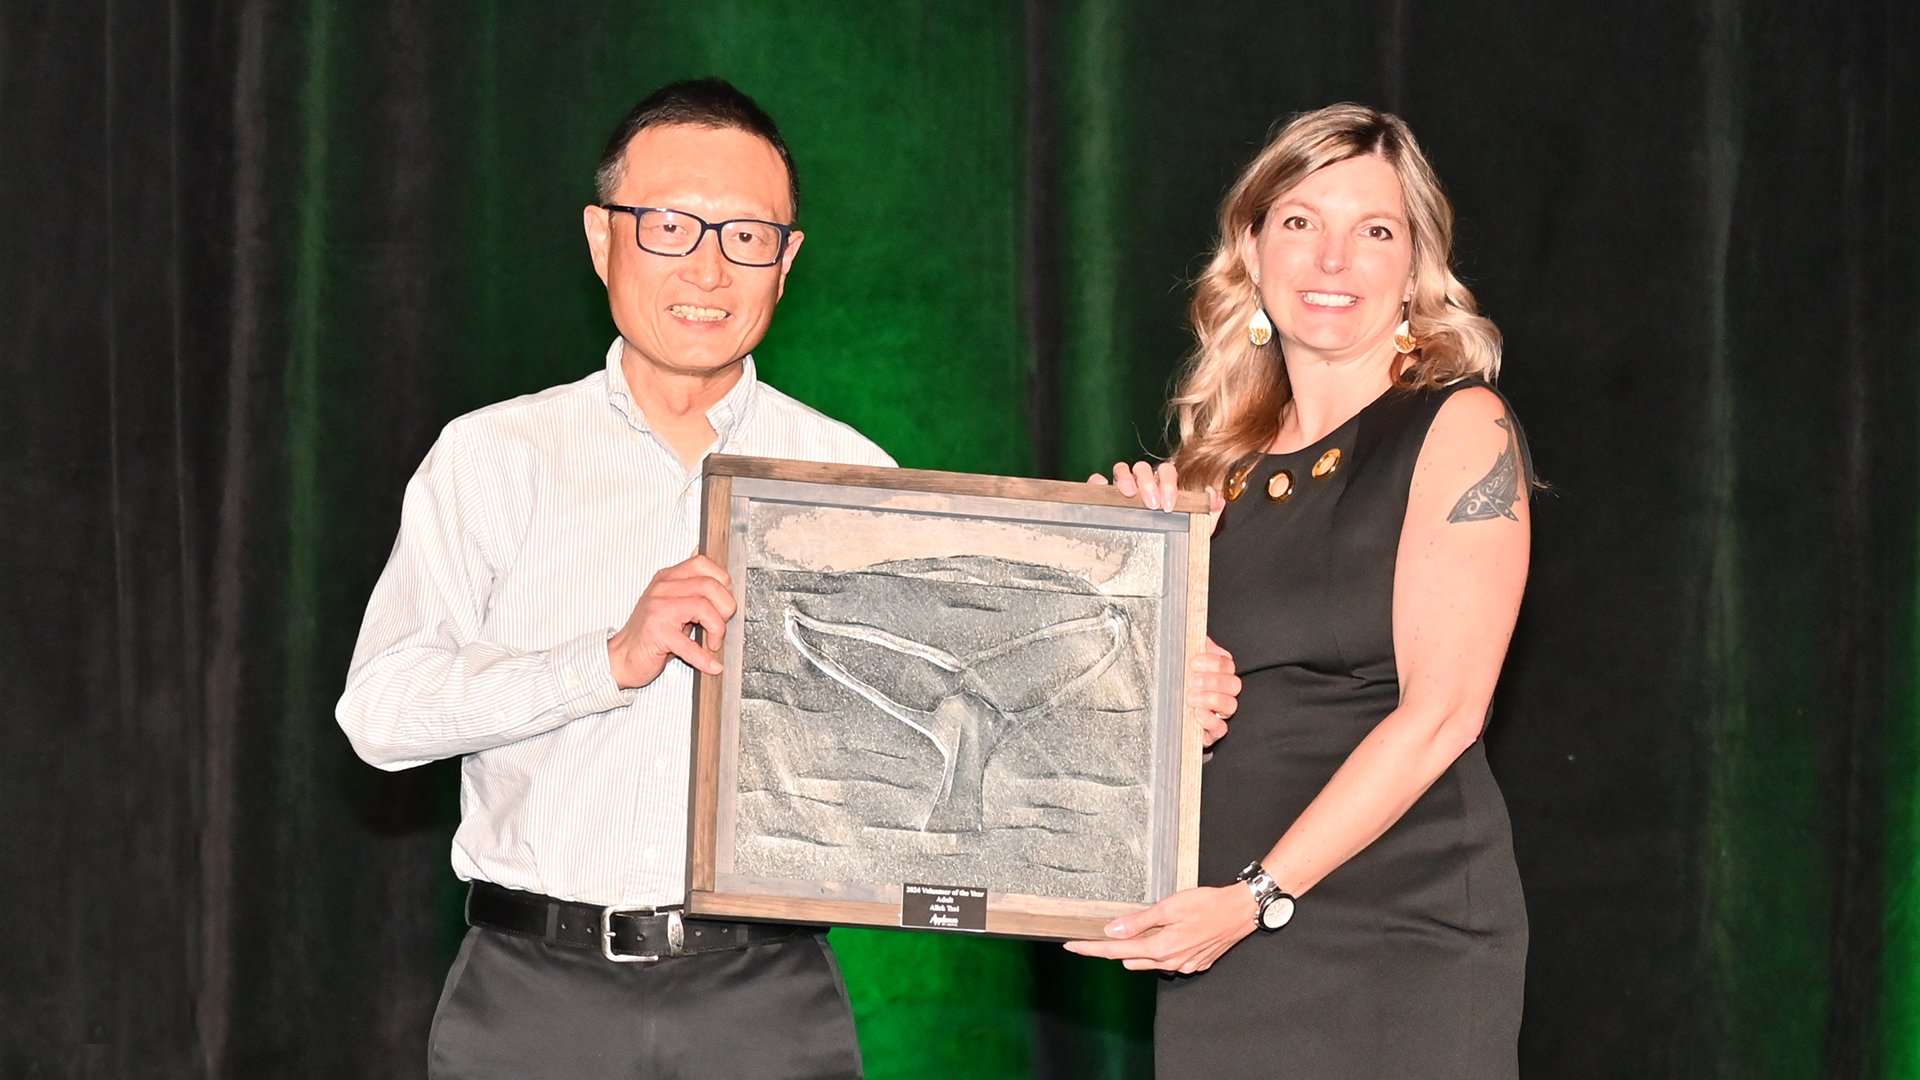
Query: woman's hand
x=1216 y=694
x=1186 y=932
x=1156 y=486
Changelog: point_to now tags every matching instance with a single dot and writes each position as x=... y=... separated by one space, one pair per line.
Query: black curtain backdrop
x=256 y=252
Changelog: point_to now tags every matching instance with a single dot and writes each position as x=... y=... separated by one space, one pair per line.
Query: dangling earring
x=1260 y=328
x=1403 y=340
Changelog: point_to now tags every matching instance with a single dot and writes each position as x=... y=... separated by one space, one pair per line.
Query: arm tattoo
x=1496 y=492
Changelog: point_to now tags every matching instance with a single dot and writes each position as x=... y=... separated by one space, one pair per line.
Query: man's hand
x=1216 y=691
x=679 y=598
x=1216 y=688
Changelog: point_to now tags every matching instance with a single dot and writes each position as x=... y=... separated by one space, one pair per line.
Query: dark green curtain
x=256 y=253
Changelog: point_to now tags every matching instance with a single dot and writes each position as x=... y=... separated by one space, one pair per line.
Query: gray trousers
x=519 y=1009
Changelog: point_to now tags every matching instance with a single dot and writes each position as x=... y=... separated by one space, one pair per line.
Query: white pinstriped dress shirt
x=526 y=537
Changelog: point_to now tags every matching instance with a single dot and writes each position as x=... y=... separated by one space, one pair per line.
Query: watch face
x=1277 y=912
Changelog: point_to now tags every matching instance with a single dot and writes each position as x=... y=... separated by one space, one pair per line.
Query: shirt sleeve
x=424 y=684
x=849 y=447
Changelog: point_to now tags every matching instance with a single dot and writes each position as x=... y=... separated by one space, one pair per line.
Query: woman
x=1361 y=916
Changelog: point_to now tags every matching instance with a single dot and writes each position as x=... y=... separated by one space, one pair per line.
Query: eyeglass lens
x=670 y=232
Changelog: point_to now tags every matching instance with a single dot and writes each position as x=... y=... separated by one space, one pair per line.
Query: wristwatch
x=1276 y=907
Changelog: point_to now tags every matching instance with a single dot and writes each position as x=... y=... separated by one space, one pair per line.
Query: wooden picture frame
x=945 y=680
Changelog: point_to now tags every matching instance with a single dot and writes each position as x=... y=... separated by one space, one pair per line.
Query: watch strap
x=1267 y=895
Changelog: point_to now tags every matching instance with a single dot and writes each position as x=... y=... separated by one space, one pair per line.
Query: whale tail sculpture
x=966 y=706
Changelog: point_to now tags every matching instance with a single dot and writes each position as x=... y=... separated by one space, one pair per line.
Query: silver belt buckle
x=676 y=935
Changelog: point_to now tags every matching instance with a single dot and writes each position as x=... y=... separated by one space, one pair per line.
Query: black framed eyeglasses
x=744 y=241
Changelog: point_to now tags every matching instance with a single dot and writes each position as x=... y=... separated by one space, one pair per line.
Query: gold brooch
x=1237 y=481
x=1280 y=488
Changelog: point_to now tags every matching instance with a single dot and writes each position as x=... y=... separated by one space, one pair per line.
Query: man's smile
x=696 y=313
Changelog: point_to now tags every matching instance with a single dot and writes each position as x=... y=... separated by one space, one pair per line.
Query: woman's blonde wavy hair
x=1230 y=395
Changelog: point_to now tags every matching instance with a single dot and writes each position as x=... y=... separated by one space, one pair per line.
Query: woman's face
x=1334 y=262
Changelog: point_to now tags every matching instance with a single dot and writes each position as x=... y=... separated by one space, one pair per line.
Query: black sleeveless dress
x=1408 y=960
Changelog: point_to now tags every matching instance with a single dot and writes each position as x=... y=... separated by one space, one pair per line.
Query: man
x=504 y=629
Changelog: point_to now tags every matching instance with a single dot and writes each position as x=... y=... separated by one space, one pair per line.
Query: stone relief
x=976 y=719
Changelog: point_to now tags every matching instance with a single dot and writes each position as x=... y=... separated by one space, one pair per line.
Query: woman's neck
x=1326 y=395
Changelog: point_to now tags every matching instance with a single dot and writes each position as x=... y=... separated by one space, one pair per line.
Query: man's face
x=694 y=314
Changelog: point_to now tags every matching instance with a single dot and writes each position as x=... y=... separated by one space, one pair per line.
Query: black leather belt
x=627 y=935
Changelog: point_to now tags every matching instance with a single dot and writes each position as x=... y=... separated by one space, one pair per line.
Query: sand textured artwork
x=964 y=720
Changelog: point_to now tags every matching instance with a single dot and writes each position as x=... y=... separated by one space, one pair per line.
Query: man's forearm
x=411 y=704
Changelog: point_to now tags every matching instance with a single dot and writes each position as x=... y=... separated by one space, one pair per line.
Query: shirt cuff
x=584 y=676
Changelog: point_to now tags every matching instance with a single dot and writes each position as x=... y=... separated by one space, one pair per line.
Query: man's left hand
x=1216 y=691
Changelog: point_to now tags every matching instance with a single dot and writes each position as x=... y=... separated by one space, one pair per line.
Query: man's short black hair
x=709 y=103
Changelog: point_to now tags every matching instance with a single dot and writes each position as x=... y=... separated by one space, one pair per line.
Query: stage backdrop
x=256 y=253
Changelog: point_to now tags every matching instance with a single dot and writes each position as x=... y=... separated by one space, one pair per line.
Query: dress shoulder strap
x=1398 y=428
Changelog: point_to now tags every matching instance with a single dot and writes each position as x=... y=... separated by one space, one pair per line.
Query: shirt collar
x=726 y=415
